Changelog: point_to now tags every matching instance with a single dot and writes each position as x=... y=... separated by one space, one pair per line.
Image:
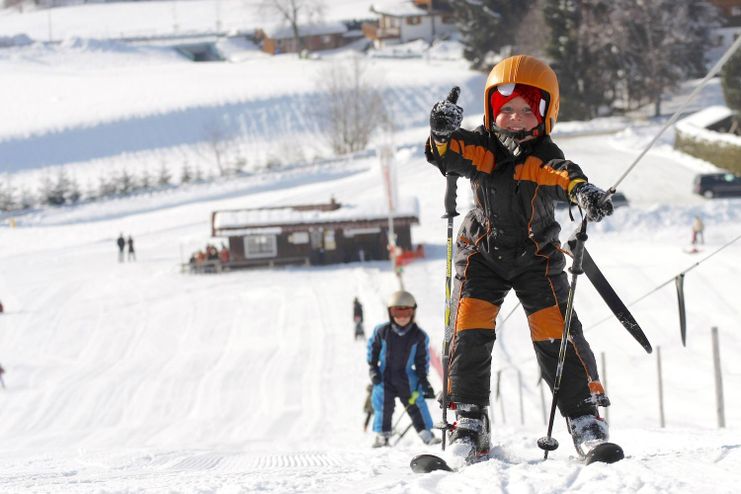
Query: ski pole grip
x=578 y=250
x=451 y=196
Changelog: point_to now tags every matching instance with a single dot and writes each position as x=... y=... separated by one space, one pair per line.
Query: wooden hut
x=313 y=234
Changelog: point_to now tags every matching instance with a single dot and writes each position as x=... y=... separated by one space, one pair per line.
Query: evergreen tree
x=186 y=175
x=125 y=184
x=55 y=193
x=582 y=53
x=7 y=196
x=731 y=83
x=73 y=193
x=488 y=27
x=164 y=176
x=106 y=187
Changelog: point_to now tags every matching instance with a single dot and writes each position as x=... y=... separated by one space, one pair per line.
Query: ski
x=602 y=453
x=426 y=463
x=612 y=299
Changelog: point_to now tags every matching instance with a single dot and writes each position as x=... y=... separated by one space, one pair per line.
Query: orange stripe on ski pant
x=474 y=313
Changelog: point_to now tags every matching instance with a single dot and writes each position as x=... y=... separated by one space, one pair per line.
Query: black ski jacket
x=514 y=197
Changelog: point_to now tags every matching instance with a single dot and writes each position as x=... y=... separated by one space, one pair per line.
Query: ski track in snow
x=135 y=377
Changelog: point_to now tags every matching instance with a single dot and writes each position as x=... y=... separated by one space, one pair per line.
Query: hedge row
x=721 y=152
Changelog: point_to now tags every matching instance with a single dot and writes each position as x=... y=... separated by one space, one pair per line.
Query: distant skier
x=357 y=314
x=2 y=380
x=121 y=242
x=698 y=229
x=399 y=360
x=132 y=254
x=510 y=240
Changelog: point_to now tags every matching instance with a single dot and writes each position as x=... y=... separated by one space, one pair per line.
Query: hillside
x=135 y=377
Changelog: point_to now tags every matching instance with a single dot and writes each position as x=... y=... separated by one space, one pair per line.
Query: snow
x=290 y=216
x=135 y=377
x=696 y=125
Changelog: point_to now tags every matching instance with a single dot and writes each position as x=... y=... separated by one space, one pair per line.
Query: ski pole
x=450 y=213
x=401 y=436
x=411 y=401
x=549 y=443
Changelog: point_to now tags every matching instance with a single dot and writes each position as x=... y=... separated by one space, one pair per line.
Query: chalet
x=314 y=37
x=401 y=21
x=325 y=233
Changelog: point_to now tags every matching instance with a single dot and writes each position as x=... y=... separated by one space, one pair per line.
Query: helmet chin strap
x=511 y=139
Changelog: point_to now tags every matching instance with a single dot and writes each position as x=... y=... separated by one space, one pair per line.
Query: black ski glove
x=426 y=388
x=375 y=375
x=595 y=202
x=446 y=116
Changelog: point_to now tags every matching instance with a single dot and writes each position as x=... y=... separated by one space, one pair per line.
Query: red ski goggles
x=401 y=311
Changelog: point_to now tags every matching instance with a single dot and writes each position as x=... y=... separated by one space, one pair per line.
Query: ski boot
x=428 y=437
x=469 y=436
x=382 y=440
x=587 y=431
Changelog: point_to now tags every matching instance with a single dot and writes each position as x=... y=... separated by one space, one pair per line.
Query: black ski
x=426 y=463
x=604 y=453
x=612 y=299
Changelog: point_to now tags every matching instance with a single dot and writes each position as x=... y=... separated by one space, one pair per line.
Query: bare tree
x=293 y=13
x=217 y=143
x=354 y=106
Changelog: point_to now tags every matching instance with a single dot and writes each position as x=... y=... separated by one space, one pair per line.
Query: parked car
x=711 y=185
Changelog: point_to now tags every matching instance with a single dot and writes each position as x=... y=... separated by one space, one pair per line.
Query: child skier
x=509 y=240
x=399 y=360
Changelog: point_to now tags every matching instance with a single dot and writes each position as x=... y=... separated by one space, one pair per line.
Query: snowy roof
x=262 y=219
x=399 y=8
x=697 y=125
x=282 y=31
x=707 y=117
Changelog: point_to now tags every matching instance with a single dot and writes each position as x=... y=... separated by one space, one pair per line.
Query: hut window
x=329 y=242
x=256 y=246
x=299 y=238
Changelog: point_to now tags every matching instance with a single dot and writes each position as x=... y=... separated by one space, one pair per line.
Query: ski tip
x=426 y=463
x=604 y=453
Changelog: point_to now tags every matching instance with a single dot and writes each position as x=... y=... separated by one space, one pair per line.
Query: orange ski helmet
x=524 y=69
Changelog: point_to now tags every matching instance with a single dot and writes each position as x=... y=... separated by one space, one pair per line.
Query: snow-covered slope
x=136 y=377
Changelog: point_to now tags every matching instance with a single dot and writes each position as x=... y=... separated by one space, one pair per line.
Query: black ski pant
x=482 y=281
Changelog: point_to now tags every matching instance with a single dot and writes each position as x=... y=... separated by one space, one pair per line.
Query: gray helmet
x=401 y=299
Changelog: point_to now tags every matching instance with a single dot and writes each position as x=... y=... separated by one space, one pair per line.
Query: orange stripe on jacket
x=533 y=170
x=595 y=387
x=474 y=313
x=546 y=324
x=479 y=156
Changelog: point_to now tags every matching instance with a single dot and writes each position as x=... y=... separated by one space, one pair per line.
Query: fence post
x=718 y=380
x=662 y=422
x=604 y=383
x=522 y=406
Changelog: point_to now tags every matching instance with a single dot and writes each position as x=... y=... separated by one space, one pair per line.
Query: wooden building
x=313 y=37
x=401 y=21
x=313 y=234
